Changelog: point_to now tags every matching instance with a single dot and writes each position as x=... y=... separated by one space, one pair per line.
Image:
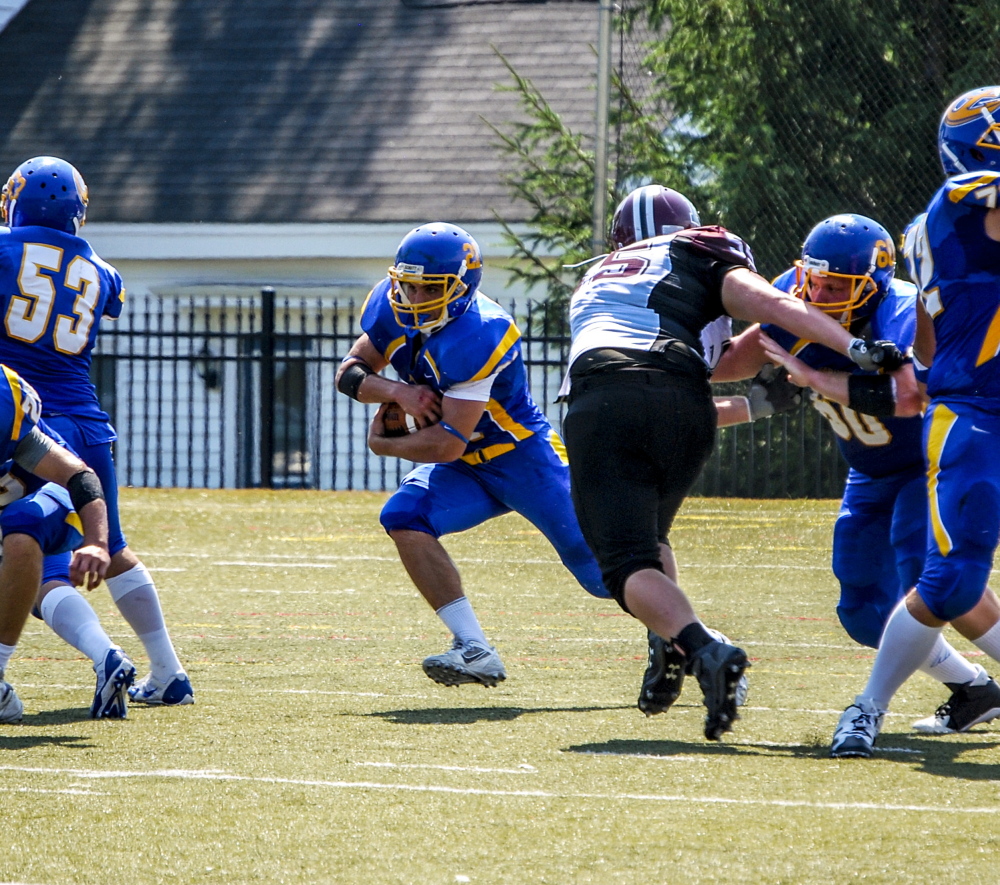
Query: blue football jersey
x=54 y=291
x=15 y=481
x=957 y=269
x=870 y=445
x=483 y=341
x=20 y=411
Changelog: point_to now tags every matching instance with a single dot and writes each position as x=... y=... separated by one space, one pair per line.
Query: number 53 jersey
x=54 y=289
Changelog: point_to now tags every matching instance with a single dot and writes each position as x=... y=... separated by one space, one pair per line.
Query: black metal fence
x=238 y=391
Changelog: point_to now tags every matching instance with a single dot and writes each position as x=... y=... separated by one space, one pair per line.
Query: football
x=397 y=422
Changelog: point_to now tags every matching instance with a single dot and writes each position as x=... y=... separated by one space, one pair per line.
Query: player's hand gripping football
x=420 y=401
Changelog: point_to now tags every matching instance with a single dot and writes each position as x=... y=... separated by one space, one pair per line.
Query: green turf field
x=318 y=752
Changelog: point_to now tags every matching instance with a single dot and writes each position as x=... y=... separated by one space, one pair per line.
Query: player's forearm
x=432 y=445
x=376 y=389
x=732 y=410
x=747 y=295
x=830 y=385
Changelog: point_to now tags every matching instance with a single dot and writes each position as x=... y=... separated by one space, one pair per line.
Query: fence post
x=267 y=388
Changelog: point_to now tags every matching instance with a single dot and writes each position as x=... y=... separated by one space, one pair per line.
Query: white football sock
x=989 y=642
x=459 y=617
x=135 y=595
x=905 y=645
x=72 y=619
x=946 y=665
x=6 y=653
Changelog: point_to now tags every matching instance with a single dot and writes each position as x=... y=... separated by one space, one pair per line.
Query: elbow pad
x=872 y=395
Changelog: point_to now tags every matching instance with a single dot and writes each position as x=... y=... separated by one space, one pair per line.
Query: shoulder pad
x=974 y=189
x=470 y=350
x=719 y=244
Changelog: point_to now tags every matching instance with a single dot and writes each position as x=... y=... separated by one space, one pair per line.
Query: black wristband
x=872 y=395
x=84 y=487
x=350 y=379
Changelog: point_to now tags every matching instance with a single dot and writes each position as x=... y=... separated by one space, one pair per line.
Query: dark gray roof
x=286 y=110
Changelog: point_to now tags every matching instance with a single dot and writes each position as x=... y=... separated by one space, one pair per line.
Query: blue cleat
x=150 y=690
x=114 y=676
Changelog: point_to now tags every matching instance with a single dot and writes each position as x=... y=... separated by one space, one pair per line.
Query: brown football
x=397 y=422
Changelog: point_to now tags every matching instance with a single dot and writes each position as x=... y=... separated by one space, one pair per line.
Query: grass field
x=318 y=751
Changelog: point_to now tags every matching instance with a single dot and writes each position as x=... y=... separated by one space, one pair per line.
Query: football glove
x=875 y=355
x=772 y=393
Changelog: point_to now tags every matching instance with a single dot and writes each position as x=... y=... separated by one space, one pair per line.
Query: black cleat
x=719 y=668
x=968 y=705
x=664 y=676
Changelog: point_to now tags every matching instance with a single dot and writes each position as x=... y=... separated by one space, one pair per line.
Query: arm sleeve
x=32 y=448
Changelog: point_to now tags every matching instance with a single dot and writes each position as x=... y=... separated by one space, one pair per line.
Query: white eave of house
x=194 y=242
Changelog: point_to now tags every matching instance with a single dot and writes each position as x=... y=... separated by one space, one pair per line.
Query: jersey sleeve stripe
x=991 y=344
x=394 y=346
x=14 y=382
x=959 y=190
x=506 y=343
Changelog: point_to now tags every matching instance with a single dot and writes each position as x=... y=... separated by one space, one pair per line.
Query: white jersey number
x=847 y=423
x=28 y=314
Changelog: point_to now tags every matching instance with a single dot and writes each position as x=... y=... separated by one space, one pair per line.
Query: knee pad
x=406 y=512
x=951 y=585
x=863 y=623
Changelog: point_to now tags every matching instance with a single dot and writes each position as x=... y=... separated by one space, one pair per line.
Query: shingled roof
x=286 y=110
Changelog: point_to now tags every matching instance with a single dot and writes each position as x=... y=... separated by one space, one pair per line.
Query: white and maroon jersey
x=659 y=295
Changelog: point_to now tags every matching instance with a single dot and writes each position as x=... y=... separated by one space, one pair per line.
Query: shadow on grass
x=470 y=715
x=937 y=756
x=666 y=749
x=24 y=735
x=942 y=756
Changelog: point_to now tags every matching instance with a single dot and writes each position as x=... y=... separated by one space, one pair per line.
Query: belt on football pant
x=481 y=456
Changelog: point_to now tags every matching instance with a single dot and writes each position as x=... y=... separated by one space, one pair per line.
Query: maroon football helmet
x=651 y=211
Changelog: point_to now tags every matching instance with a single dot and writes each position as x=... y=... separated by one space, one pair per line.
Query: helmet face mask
x=847 y=266
x=443 y=256
x=651 y=211
x=47 y=192
x=969 y=134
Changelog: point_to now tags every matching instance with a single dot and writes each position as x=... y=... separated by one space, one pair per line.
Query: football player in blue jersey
x=484 y=445
x=54 y=291
x=952 y=252
x=66 y=513
x=847 y=268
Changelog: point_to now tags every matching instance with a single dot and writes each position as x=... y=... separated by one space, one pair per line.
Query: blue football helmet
x=435 y=254
x=854 y=248
x=969 y=135
x=45 y=191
